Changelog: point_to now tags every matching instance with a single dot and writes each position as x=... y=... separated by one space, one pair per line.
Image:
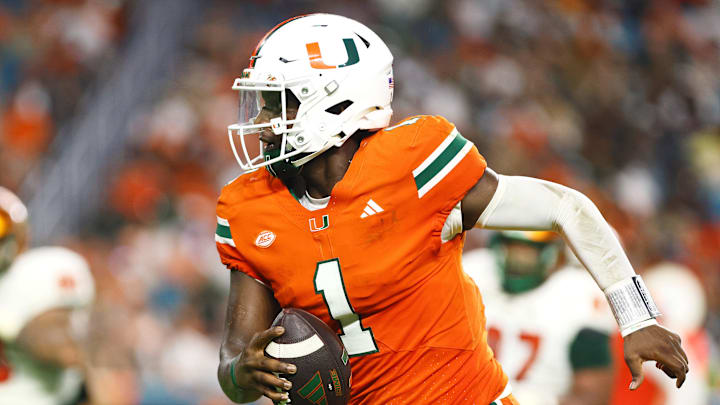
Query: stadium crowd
x=618 y=99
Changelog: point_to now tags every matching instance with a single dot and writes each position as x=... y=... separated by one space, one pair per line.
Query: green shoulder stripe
x=222 y=232
x=440 y=162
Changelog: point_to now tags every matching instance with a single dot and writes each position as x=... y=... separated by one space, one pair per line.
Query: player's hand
x=254 y=370
x=655 y=343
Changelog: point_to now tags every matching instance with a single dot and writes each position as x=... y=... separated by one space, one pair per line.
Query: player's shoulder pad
x=418 y=137
x=415 y=130
x=432 y=128
x=242 y=190
x=239 y=198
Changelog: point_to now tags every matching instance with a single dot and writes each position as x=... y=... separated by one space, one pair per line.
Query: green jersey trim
x=222 y=232
x=440 y=162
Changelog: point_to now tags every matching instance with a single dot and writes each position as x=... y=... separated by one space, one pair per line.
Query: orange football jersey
x=372 y=264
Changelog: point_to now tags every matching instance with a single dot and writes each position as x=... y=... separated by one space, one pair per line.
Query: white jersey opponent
x=39 y=280
x=540 y=335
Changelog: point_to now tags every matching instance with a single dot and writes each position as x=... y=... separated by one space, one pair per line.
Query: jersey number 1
x=329 y=282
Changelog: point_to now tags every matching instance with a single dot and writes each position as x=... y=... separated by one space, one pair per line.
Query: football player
x=44 y=297
x=362 y=224
x=547 y=326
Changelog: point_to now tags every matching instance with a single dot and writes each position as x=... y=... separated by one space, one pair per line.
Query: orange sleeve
x=444 y=164
x=230 y=256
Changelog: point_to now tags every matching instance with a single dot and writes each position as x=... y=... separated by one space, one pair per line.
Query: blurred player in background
x=45 y=298
x=547 y=322
x=362 y=224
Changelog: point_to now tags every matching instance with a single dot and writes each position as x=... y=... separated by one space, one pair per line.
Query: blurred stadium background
x=113 y=118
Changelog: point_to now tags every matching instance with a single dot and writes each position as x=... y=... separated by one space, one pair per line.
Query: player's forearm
x=225 y=377
x=251 y=309
x=533 y=204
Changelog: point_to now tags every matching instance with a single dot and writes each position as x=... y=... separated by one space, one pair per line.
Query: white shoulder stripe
x=440 y=149
x=294 y=350
x=223 y=221
x=224 y=241
x=445 y=170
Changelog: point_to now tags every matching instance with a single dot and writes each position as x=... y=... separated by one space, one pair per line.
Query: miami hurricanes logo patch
x=314 y=227
x=316 y=59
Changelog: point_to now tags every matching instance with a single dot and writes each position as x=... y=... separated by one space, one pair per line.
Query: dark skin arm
x=650 y=343
x=251 y=310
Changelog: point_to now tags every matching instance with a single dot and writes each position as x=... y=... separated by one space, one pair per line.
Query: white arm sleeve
x=527 y=203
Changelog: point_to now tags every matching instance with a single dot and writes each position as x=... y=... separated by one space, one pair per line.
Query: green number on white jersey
x=329 y=282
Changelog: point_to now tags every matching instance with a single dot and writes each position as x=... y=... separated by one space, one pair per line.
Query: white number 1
x=329 y=282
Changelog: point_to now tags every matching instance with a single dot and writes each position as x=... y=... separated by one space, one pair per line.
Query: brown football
x=323 y=367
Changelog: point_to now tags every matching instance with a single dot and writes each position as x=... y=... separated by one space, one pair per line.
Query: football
x=323 y=367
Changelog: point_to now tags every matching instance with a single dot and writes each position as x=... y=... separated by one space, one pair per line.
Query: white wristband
x=631 y=304
x=637 y=327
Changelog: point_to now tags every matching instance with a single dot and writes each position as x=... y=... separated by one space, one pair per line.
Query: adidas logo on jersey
x=371 y=208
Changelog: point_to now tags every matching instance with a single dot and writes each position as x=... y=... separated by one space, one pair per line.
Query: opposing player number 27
x=532 y=340
x=329 y=282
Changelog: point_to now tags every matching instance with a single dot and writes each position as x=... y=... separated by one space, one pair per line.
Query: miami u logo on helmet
x=316 y=60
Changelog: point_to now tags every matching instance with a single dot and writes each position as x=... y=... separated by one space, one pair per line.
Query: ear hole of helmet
x=338 y=108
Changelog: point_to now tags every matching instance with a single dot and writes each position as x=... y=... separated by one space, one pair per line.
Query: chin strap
x=311 y=156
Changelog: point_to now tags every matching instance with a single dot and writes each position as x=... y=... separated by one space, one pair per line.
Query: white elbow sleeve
x=527 y=203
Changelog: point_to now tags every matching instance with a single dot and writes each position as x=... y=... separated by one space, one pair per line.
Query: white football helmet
x=326 y=61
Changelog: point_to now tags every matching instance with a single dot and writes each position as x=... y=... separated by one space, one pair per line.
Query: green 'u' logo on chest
x=313 y=223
